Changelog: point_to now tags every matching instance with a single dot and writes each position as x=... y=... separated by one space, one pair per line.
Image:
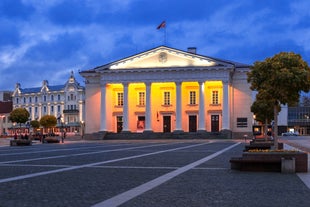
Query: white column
x=103 y=120
x=1 y=124
x=81 y=111
x=148 y=107
x=226 y=111
x=178 y=107
x=201 y=113
x=125 y=109
x=40 y=111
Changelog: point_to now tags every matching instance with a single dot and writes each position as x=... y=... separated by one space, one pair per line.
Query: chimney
x=192 y=50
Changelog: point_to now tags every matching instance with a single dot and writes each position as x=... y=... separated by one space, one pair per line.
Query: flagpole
x=163 y=26
x=165 y=36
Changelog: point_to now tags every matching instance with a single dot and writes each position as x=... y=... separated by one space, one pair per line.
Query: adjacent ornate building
x=66 y=102
x=168 y=90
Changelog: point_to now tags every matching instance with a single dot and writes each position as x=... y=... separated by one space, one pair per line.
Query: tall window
x=166 y=98
x=120 y=99
x=52 y=109
x=30 y=110
x=215 y=97
x=71 y=97
x=17 y=100
x=141 y=98
x=24 y=99
x=192 y=97
x=30 y=100
x=36 y=99
x=58 y=97
x=58 y=109
x=52 y=97
x=44 y=98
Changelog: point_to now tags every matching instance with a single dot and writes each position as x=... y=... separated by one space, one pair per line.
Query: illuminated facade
x=168 y=90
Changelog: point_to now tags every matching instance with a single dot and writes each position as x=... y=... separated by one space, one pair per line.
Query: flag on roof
x=162 y=25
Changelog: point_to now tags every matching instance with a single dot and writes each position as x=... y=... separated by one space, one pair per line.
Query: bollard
x=245 y=137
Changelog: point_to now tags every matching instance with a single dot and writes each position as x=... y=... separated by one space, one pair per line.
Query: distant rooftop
x=38 y=89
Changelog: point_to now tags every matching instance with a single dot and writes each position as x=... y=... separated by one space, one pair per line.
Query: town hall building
x=168 y=90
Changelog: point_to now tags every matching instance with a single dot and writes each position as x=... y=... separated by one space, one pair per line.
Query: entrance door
x=141 y=123
x=167 y=124
x=192 y=123
x=215 y=123
x=119 y=123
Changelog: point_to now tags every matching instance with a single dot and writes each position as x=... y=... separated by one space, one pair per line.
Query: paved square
x=140 y=173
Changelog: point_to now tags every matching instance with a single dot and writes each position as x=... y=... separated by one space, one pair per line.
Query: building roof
x=177 y=51
x=38 y=89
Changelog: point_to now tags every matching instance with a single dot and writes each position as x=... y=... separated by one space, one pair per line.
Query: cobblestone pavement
x=148 y=173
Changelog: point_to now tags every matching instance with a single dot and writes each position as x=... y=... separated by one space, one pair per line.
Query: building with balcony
x=66 y=102
x=168 y=90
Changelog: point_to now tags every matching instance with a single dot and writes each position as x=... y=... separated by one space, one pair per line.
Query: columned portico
x=148 y=107
x=201 y=113
x=168 y=90
x=125 y=109
x=178 y=117
x=103 y=124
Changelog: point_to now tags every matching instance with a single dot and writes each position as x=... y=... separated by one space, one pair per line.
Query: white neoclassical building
x=66 y=101
x=168 y=90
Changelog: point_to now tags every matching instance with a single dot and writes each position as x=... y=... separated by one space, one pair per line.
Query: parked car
x=290 y=134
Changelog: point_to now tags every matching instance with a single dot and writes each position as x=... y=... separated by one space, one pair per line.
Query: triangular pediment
x=163 y=57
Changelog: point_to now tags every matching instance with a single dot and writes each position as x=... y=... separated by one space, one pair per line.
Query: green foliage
x=283 y=76
x=48 y=121
x=35 y=124
x=278 y=80
x=263 y=108
x=19 y=115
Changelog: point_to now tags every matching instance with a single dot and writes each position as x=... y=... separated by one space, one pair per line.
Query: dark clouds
x=47 y=39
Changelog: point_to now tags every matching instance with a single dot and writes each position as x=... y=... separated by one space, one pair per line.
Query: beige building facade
x=65 y=102
x=168 y=90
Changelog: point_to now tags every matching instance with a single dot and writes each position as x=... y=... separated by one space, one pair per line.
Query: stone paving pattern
x=209 y=184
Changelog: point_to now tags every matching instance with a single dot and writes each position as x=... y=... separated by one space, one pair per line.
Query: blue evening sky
x=46 y=39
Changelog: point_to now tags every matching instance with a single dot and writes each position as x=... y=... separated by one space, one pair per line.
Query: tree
x=263 y=110
x=48 y=121
x=35 y=124
x=20 y=116
x=280 y=78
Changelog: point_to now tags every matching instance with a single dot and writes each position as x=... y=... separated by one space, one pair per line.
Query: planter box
x=270 y=161
x=261 y=145
x=51 y=140
x=20 y=142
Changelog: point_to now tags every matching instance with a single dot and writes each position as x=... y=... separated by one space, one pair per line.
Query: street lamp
x=82 y=128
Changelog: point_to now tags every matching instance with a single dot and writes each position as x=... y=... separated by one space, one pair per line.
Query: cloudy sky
x=46 y=39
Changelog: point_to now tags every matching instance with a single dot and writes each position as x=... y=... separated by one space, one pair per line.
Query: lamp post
x=82 y=129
